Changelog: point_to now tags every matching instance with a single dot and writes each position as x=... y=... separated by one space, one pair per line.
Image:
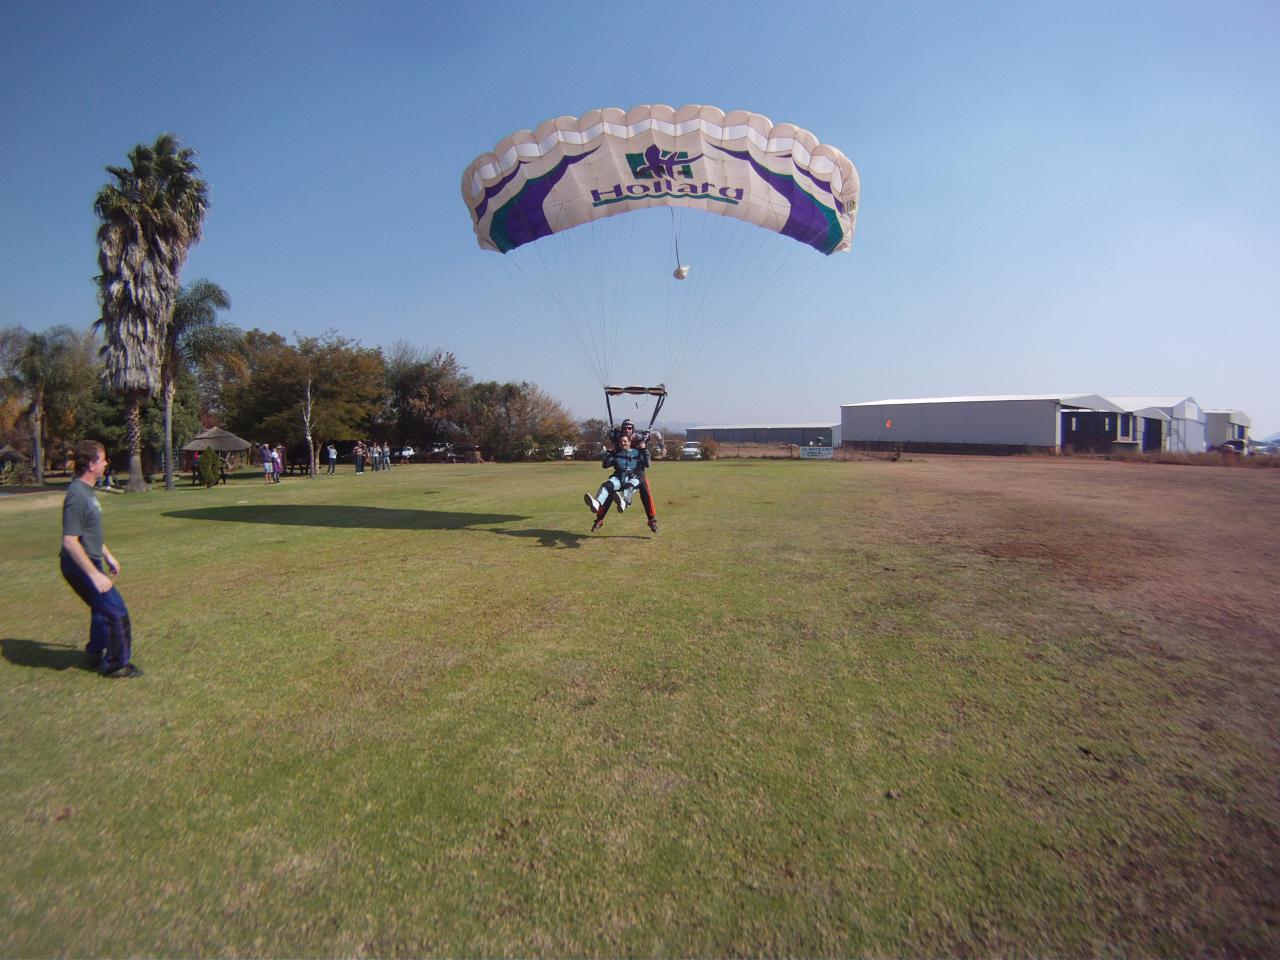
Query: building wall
x=1223 y=425
x=1013 y=423
x=1186 y=433
x=802 y=435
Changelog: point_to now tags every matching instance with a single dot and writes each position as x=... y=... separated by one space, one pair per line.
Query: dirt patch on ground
x=1186 y=558
x=1193 y=546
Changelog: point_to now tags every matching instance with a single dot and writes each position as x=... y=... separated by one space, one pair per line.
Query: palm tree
x=195 y=338
x=151 y=214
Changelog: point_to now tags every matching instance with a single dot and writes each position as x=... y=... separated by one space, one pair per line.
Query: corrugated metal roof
x=1074 y=399
x=1136 y=403
x=820 y=425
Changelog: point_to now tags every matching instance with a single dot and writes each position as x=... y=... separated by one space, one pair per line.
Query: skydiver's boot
x=621 y=501
x=653 y=524
x=591 y=502
x=597 y=525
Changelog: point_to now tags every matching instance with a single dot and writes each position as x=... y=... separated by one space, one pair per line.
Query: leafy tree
x=50 y=371
x=591 y=437
x=423 y=395
x=195 y=339
x=151 y=214
x=346 y=386
x=512 y=421
x=12 y=341
x=101 y=415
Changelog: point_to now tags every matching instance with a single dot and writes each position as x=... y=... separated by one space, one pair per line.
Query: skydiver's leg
x=608 y=488
x=646 y=497
x=629 y=487
x=605 y=504
x=604 y=497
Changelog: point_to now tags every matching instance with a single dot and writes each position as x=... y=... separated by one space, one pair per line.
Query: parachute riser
x=660 y=391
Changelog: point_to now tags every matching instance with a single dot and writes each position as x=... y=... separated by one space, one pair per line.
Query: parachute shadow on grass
x=50 y=656
x=345 y=517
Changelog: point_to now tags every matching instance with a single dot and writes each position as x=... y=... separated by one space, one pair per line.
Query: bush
x=17 y=474
x=710 y=448
x=209 y=469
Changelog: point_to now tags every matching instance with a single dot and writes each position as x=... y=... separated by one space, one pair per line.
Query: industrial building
x=1047 y=423
x=1223 y=425
x=801 y=434
x=1185 y=426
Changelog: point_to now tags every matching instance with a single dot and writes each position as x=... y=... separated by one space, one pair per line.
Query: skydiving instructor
x=646 y=498
x=86 y=562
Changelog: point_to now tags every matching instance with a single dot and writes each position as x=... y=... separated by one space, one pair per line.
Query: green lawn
x=428 y=713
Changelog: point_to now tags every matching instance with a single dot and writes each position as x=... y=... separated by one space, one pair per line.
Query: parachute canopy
x=576 y=170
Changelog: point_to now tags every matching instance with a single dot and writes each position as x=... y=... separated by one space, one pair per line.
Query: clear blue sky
x=1067 y=196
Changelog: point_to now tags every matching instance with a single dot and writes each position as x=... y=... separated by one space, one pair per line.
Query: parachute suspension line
x=564 y=326
x=568 y=326
x=773 y=262
x=675 y=238
x=704 y=312
x=552 y=307
x=768 y=264
x=623 y=273
x=567 y=298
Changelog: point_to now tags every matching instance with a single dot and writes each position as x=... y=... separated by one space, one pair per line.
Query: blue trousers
x=109 y=630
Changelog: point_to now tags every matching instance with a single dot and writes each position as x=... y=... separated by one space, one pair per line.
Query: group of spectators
x=378 y=456
x=273 y=462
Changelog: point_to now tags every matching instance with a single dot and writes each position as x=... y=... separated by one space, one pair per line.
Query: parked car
x=1239 y=447
x=692 y=450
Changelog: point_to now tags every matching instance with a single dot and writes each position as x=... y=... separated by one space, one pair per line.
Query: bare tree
x=307 y=423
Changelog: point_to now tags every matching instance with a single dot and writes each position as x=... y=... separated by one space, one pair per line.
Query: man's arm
x=75 y=550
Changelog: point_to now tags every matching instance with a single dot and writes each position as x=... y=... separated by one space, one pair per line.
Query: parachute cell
x=576 y=170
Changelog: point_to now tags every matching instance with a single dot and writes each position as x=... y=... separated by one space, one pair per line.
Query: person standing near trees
x=333 y=457
x=85 y=561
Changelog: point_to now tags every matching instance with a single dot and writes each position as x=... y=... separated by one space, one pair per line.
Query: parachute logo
x=655 y=164
x=665 y=189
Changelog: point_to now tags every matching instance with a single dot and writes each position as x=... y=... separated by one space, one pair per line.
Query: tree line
x=258 y=384
x=160 y=362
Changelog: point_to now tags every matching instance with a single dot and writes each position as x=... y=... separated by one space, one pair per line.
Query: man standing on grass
x=85 y=560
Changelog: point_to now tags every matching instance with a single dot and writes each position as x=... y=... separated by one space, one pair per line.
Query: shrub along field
x=941 y=706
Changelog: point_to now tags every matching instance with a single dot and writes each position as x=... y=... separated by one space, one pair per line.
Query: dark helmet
x=628 y=423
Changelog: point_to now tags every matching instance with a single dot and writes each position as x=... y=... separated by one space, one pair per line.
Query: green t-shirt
x=82 y=517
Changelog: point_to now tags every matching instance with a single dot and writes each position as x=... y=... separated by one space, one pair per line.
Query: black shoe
x=124 y=673
x=93 y=661
x=653 y=524
x=597 y=525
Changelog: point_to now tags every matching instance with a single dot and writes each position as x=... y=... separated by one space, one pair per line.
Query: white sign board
x=817 y=453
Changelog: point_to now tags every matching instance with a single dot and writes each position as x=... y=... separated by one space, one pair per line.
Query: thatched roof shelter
x=8 y=453
x=215 y=438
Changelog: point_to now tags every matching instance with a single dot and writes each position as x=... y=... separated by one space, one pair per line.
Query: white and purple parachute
x=553 y=197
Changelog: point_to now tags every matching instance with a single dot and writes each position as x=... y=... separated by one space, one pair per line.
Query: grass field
x=427 y=713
